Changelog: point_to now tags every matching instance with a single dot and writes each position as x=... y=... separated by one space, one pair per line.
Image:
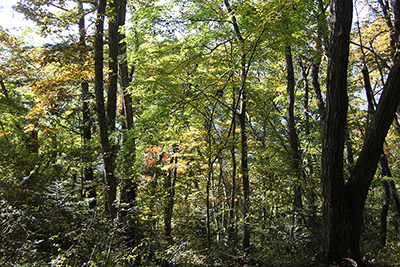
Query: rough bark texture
x=334 y=237
x=108 y=157
x=343 y=204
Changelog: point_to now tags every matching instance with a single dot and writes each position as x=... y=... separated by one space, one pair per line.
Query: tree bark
x=335 y=240
x=343 y=204
x=107 y=153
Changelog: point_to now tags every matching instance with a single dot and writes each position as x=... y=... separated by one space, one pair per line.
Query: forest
x=201 y=133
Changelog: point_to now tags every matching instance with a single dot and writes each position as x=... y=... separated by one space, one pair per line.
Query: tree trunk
x=86 y=116
x=113 y=44
x=129 y=183
x=321 y=39
x=245 y=177
x=231 y=228
x=365 y=167
x=243 y=136
x=335 y=240
x=169 y=186
x=343 y=205
x=107 y=153
x=294 y=152
x=244 y=171
x=123 y=69
x=209 y=177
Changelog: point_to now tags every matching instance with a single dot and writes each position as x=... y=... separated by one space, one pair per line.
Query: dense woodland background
x=201 y=133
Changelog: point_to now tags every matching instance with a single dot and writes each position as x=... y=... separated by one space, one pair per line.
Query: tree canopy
x=201 y=133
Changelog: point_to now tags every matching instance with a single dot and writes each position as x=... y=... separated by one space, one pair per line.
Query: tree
x=294 y=153
x=86 y=113
x=106 y=149
x=343 y=202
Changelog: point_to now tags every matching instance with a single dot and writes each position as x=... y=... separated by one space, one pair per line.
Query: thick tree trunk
x=107 y=153
x=334 y=222
x=342 y=205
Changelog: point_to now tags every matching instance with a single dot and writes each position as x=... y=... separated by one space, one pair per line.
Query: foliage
x=186 y=60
